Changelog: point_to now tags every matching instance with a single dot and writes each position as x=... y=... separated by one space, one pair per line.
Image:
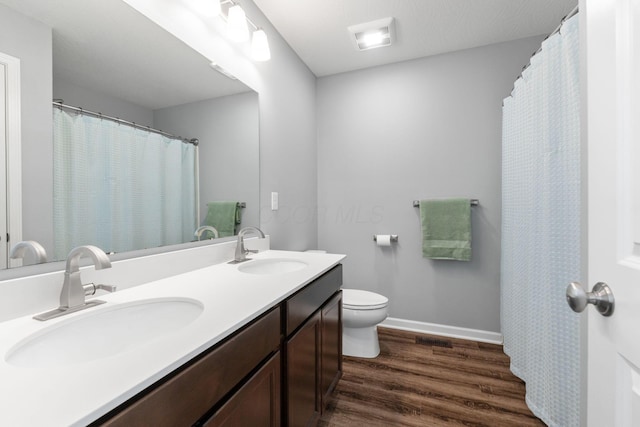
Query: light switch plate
x=274 y=200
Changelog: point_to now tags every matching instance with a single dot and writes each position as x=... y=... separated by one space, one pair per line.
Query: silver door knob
x=600 y=296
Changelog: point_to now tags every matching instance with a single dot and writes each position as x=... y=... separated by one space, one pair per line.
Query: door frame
x=13 y=154
x=584 y=212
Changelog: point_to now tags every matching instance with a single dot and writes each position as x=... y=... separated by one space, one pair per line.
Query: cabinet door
x=331 y=361
x=187 y=394
x=303 y=374
x=256 y=404
x=309 y=299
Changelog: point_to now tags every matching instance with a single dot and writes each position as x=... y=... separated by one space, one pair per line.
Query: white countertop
x=79 y=393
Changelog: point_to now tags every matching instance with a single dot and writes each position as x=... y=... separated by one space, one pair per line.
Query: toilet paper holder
x=394 y=237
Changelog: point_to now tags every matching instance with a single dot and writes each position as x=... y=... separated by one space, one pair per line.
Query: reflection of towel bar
x=242 y=205
x=474 y=202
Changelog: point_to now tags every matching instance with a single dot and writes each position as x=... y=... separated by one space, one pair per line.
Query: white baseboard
x=443 y=330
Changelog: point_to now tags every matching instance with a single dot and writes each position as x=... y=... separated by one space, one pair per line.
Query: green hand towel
x=446 y=229
x=224 y=216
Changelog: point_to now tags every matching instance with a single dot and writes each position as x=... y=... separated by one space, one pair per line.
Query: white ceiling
x=317 y=29
x=111 y=48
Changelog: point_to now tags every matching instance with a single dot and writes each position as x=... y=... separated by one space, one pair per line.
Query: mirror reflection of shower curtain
x=541 y=224
x=118 y=187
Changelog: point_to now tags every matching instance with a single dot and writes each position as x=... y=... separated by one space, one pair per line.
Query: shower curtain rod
x=568 y=16
x=60 y=103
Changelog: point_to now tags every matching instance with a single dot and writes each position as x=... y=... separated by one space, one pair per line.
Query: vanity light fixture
x=260 y=46
x=237 y=28
x=372 y=34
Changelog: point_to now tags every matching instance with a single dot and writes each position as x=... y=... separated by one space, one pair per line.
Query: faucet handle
x=91 y=288
x=251 y=251
x=108 y=288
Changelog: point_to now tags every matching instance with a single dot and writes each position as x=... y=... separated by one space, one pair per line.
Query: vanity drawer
x=303 y=304
x=187 y=395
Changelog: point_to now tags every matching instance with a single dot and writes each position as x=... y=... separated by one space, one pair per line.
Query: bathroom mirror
x=106 y=57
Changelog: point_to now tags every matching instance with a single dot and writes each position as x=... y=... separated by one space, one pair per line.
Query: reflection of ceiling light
x=222 y=71
x=237 y=28
x=260 y=46
x=373 y=34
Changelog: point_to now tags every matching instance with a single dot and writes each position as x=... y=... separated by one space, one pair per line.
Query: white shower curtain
x=118 y=187
x=541 y=228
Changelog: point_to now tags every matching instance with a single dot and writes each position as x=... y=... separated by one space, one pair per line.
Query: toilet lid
x=356 y=299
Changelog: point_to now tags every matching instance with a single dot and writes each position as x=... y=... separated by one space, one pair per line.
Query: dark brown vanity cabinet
x=303 y=374
x=256 y=404
x=313 y=348
x=331 y=350
x=276 y=371
x=186 y=395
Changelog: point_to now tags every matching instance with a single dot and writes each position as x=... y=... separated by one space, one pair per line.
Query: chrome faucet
x=72 y=291
x=72 y=297
x=241 y=252
x=20 y=249
x=200 y=231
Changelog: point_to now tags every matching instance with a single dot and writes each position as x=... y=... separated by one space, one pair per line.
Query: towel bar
x=242 y=205
x=474 y=202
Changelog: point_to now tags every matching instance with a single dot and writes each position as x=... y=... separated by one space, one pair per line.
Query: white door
x=612 y=31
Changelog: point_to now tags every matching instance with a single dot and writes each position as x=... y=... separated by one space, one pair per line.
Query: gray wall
x=427 y=128
x=288 y=142
x=30 y=41
x=228 y=131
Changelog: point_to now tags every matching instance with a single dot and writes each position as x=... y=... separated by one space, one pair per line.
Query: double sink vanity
x=256 y=343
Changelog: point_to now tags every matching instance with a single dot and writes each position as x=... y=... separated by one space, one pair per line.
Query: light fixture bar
x=207 y=8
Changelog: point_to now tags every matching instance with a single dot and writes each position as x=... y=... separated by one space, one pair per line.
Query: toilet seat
x=356 y=299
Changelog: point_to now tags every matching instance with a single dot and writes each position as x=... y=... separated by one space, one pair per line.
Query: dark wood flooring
x=424 y=380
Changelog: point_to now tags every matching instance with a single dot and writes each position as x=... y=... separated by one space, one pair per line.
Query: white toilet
x=361 y=313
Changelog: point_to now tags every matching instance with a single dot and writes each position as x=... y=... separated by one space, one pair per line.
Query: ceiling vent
x=378 y=33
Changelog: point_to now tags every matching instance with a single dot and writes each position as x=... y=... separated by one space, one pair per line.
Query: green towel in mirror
x=446 y=229
x=224 y=216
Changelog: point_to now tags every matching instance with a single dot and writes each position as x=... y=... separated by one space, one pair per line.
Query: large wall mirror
x=106 y=57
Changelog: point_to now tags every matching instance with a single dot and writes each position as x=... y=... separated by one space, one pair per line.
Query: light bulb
x=237 y=28
x=373 y=39
x=260 y=46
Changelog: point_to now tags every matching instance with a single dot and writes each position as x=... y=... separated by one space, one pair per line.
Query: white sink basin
x=104 y=332
x=272 y=266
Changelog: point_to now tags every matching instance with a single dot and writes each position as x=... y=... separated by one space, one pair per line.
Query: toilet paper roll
x=383 y=240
